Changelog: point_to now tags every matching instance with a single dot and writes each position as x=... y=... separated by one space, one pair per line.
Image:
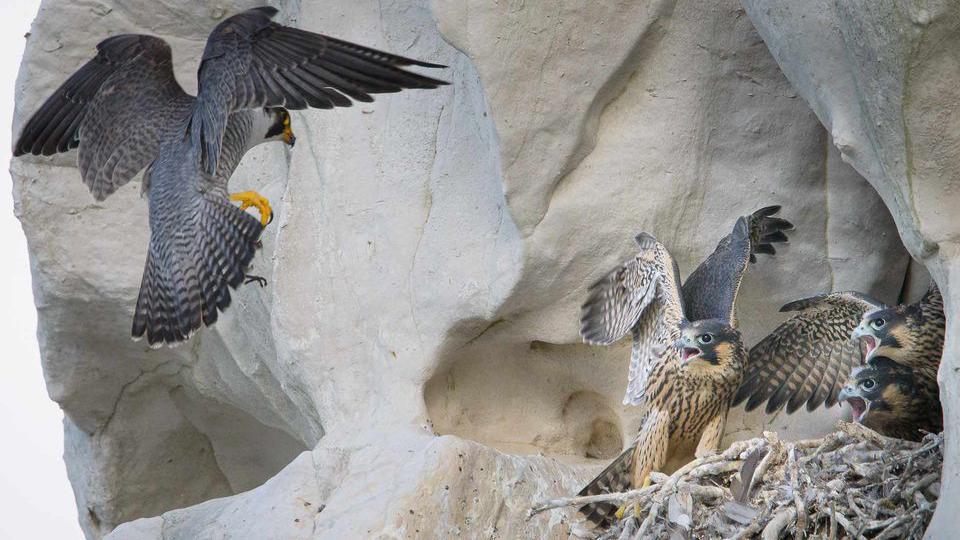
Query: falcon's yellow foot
x=646 y=484
x=252 y=198
x=622 y=510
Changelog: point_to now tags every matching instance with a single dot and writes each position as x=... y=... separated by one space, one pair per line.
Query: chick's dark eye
x=706 y=338
x=878 y=323
x=868 y=384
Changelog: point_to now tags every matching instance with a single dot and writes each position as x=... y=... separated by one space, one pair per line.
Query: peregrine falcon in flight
x=126 y=112
x=808 y=358
x=687 y=358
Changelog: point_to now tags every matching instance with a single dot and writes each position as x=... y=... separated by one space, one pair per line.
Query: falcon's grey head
x=273 y=124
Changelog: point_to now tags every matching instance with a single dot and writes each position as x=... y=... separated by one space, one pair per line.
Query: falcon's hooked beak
x=859 y=406
x=288 y=136
x=687 y=351
x=868 y=341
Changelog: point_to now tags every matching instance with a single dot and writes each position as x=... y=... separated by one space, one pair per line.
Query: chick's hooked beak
x=868 y=342
x=687 y=350
x=858 y=406
x=288 y=136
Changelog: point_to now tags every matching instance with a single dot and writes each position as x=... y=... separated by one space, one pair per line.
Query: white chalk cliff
x=413 y=368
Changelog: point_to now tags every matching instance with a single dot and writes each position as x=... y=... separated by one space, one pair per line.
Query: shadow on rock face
x=532 y=398
x=166 y=447
x=595 y=426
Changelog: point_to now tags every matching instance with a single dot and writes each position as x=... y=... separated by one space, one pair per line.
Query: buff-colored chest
x=694 y=395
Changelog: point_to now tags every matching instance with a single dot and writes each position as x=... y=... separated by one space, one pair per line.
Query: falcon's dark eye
x=878 y=323
x=868 y=384
x=705 y=338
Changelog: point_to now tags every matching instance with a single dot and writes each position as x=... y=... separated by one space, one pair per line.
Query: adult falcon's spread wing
x=117 y=108
x=250 y=62
x=641 y=296
x=710 y=292
x=808 y=357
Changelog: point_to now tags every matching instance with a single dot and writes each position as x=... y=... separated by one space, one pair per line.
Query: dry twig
x=851 y=483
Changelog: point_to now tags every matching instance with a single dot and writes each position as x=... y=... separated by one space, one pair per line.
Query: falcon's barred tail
x=188 y=274
x=766 y=230
x=617 y=477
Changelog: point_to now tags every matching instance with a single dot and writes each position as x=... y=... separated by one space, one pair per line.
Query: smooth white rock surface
x=884 y=78
x=426 y=266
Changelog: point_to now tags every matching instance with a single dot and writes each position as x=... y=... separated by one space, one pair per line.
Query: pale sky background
x=36 y=500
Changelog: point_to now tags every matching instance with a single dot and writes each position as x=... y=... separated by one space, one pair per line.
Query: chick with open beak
x=873 y=331
x=887 y=396
x=902 y=333
x=857 y=394
x=711 y=341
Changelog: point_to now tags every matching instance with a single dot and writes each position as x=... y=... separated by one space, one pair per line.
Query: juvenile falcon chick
x=808 y=358
x=893 y=399
x=911 y=335
x=684 y=373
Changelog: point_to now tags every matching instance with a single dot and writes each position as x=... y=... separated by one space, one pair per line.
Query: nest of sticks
x=853 y=483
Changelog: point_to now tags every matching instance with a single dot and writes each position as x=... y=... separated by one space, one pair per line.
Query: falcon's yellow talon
x=252 y=198
x=646 y=482
x=621 y=510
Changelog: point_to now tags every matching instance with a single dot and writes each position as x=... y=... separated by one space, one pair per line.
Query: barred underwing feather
x=645 y=339
x=251 y=62
x=808 y=357
x=117 y=108
x=616 y=301
x=654 y=343
x=641 y=296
